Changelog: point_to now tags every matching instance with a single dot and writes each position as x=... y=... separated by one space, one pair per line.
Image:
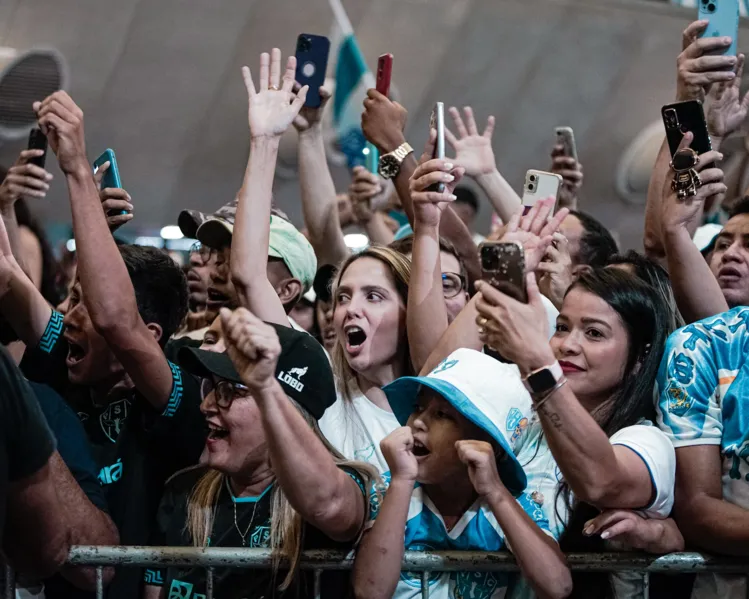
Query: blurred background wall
x=159 y=82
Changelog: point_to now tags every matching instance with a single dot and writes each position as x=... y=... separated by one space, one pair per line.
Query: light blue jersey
x=703 y=385
x=477 y=530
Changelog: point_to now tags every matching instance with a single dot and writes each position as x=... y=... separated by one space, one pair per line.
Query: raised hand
x=309 y=118
x=397 y=449
x=534 y=230
x=428 y=205
x=114 y=201
x=677 y=213
x=696 y=71
x=383 y=122
x=366 y=191
x=726 y=110
x=272 y=108
x=516 y=330
x=24 y=180
x=571 y=172
x=473 y=150
x=479 y=458
x=555 y=271
x=253 y=347
x=629 y=528
x=61 y=121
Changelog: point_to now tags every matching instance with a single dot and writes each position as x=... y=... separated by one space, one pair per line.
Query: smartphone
x=384 y=72
x=372 y=158
x=723 y=20
x=111 y=177
x=682 y=117
x=566 y=139
x=437 y=122
x=38 y=141
x=540 y=185
x=311 y=65
x=503 y=267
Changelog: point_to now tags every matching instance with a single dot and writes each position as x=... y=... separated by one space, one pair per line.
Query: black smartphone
x=38 y=141
x=681 y=117
x=503 y=267
x=311 y=65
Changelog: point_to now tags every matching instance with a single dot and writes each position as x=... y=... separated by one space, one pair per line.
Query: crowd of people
x=286 y=393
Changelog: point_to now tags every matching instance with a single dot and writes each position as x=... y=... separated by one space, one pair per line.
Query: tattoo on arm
x=554 y=418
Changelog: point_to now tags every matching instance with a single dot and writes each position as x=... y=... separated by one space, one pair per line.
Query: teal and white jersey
x=702 y=388
x=477 y=530
x=703 y=383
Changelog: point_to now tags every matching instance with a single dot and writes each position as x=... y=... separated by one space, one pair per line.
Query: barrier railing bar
x=425 y=585
x=209 y=583
x=441 y=561
x=318 y=585
x=99 y=582
x=10 y=583
x=646 y=585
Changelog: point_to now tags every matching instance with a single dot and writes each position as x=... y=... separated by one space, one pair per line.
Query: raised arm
x=473 y=151
x=318 y=191
x=571 y=172
x=366 y=191
x=272 y=108
x=427 y=313
x=383 y=124
x=696 y=71
x=696 y=289
x=322 y=493
x=378 y=560
x=110 y=299
x=599 y=473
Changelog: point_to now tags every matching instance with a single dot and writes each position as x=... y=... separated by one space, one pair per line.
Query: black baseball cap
x=303 y=369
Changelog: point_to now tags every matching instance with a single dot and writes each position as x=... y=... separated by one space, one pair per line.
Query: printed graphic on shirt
x=111 y=474
x=516 y=424
x=154 y=577
x=112 y=420
x=183 y=590
x=478 y=585
x=260 y=537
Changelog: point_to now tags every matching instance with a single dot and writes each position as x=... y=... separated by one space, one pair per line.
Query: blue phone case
x=311 y=65
x=112 y=175
x=723 y=18
x=373 y=158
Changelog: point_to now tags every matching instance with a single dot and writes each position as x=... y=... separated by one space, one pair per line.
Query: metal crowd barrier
x=413 y=561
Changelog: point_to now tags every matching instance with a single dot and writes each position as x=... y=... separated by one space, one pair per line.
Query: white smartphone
x=566 y=138
x=540 y=185
x=437 y=122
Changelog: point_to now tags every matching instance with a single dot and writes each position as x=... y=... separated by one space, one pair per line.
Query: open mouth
x=216 y=297
x=420 y=450
x=75 y=353
x=355 y=336
x=216 y=432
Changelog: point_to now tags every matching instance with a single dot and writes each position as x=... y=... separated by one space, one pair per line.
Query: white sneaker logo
x=292 y=377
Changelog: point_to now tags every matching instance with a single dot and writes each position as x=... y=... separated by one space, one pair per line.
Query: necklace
x=252 y=519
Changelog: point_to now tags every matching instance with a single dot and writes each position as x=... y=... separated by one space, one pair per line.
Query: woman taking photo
x=592 y=389
x=267 y=478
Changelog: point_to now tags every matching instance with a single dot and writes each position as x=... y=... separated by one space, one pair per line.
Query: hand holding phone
x=566 y=139
x=722 y=18
x=540 y=185
x=384 y=73
x=437 y=122
x=38 y=141
x=683 y=117
x=503 y=267
x=311 y=65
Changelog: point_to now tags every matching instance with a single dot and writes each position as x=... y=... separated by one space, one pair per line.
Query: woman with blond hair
x=267 y=478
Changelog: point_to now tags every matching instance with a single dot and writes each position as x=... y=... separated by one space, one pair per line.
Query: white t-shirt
x=647 y=441
x=356 y=429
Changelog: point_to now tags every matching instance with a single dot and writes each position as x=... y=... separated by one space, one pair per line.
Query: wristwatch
x=544 y=379
x=390 y=163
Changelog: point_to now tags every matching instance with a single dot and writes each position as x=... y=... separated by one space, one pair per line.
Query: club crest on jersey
x=292 y=377
x=679 y=401
x=112 y=420
x=478 y=585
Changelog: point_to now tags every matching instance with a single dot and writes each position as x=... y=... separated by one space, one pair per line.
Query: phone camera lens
x=711 y=8
x=705 y=2
x=531 y=187
x=532 y=177
x=305 y=43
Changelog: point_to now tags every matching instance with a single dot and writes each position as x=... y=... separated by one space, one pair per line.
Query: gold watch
x=390 y=163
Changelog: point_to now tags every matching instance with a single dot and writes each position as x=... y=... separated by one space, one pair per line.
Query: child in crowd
x=455 y=484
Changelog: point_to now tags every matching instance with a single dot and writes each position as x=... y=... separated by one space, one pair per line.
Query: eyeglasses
x=224 y=392
x=206 y=253
x=452 y=284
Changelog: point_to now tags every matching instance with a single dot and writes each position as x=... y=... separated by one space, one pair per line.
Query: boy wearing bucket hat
x=455 y=484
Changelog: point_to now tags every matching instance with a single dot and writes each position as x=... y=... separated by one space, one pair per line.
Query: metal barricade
x=413 y=561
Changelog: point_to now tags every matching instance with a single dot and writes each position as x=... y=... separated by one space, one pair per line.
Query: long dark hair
x=645 y=316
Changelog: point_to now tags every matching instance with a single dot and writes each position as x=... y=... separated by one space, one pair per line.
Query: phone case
x=723 y=20
x=372 y=158
x=311 y=65
x=539 y=185
x=503 y=267
x=384 y=73
x=38 y=141
x=438 y=122
x=566 y=138
x=686 y=116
